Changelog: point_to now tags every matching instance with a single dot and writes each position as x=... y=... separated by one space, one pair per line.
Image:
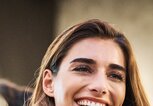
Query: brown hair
x=135 y=95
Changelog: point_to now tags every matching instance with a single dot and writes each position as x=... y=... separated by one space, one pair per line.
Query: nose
x=99 y=85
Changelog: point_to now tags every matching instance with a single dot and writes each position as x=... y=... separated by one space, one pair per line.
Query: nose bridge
x=100 y=80
x=99 y=84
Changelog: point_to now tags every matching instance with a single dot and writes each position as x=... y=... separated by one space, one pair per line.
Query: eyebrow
x=118 y=67
x=84 y=60
x=91 y=61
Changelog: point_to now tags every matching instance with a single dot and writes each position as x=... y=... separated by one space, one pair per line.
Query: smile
x=89 y=103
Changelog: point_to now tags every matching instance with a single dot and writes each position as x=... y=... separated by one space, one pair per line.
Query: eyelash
x=116 y=76
x=83 y=68
x=86 y=69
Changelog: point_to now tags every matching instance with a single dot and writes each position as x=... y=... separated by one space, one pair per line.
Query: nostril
x=103 y=91
x=98 y=91
x=94 y=90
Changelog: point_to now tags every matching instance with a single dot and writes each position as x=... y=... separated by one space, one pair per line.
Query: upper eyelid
x=82 y=66
x=74 y=64
x=117 y=68
x=119 y=73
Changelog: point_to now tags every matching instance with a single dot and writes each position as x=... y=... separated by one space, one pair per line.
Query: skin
x=93 y=70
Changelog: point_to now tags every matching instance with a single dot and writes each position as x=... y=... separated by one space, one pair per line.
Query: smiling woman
x=90 y=64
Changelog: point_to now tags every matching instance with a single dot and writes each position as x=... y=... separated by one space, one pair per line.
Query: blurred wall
x=26 y=30
x=133 y=17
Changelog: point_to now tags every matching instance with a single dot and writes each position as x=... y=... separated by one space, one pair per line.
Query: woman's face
x=91 y=74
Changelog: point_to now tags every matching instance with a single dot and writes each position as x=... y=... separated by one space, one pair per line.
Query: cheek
x=58 y=91
x=118 y=94
x=66 y=87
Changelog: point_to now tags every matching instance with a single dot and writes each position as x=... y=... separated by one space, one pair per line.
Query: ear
x=48 y=82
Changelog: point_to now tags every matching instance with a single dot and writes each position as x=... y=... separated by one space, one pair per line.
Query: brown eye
x=119 y=77
x=116 y=76
x=83 y=68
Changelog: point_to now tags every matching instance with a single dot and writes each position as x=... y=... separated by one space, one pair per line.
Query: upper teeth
x=89 y=103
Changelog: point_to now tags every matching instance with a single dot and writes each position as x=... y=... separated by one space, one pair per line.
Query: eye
x=83 y=68
x=116 y=76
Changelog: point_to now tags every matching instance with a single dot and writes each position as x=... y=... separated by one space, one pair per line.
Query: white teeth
x=89 y=103
x=93 y=104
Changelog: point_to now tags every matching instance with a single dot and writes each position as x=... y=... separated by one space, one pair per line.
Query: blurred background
x=27 y=27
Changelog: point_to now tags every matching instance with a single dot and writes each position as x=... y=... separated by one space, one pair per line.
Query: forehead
x=97 y=49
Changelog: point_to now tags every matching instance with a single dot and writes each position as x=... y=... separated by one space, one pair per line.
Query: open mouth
x=89 y=103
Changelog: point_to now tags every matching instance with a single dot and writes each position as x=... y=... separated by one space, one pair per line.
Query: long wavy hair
x=135 y=95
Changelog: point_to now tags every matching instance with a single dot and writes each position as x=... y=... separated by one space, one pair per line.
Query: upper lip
x=102 y=101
